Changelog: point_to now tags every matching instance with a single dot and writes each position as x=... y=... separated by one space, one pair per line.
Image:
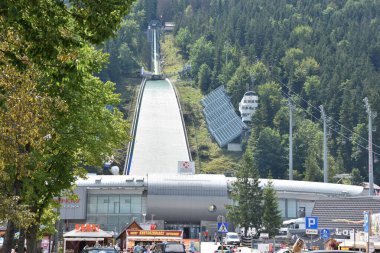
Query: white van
x=231 y=238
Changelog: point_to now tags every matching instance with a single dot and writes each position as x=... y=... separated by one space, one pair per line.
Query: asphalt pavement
x=210 y=247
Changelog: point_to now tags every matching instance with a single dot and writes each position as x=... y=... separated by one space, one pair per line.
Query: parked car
x=224 y=248
x=99 y=250
x=232 y=238
x=335 y=251
x=169 y=247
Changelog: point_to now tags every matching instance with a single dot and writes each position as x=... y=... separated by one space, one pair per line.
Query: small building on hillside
x=169 y=26
x=248 y=106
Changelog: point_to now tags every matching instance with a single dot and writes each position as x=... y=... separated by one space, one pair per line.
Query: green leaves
x=247 y=195
x=271 y=215
x=55 y=116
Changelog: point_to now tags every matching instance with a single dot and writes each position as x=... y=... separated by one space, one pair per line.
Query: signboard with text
x=311 y=231
x=166 y=233
x=87 y=227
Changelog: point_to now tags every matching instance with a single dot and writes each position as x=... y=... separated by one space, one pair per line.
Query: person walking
x=137 y=249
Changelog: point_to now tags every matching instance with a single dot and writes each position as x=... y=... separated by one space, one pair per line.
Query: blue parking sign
x=311 y=222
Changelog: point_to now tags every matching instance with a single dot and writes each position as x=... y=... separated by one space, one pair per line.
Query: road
x=210 y=247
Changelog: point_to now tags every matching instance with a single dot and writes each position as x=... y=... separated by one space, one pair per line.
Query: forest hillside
x=309 y=53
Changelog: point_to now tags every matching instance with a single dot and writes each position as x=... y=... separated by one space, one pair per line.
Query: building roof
x=294 y=186
x=345 y=212
x=112 y=180
x=187 y=185
x=84 y=234
x=213 y=183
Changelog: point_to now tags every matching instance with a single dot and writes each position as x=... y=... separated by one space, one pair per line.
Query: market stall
x=134 y=235
x=85 y=234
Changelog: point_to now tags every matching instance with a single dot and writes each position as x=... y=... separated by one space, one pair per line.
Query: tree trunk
x=21 y=240
x=31 y=239
x=9 y=236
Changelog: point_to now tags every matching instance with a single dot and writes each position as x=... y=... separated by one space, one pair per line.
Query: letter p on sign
x=311 y=222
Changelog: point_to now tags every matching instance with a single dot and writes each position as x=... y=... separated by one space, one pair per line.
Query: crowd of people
x=141 y=248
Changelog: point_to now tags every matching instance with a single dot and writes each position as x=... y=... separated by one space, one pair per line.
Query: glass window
x=125 y=204
x=135 y=204
x=92 y=202
x=101 y=220
x=113 y=220
x=292 y=208
x=124 y=220
x=91 y=219
x=113 y=204
x=282 y=206
x=103 y=203
x=174 y=248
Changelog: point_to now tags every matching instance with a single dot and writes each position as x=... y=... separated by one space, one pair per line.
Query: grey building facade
x=175 y=201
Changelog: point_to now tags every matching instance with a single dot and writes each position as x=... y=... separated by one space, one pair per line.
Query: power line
x=331 y=128
x=291 y=92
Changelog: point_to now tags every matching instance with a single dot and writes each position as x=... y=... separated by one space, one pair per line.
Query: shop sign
x=167 y=233
x=346 y=232
x=87 y=227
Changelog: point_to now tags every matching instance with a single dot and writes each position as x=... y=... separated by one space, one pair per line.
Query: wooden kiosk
x=85 y=234
x=134 y=234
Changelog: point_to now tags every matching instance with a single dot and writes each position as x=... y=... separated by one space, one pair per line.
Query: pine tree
x=247 y=196
x=271 y=211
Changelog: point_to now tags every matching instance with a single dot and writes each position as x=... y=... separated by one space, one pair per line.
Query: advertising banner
x=166 y=233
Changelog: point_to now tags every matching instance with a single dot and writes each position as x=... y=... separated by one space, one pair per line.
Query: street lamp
x=144 y=214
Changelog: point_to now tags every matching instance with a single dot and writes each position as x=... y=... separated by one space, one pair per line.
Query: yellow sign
x=167 y=233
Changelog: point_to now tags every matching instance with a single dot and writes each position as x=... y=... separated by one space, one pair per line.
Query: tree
x=55 y=111
x=182 y=40
x=239 y=83
x=269 y=154
x=356 y=178
x=204 y=78
x=202 y=51
x=24 y=121
x=308 y=140
x=271 y=213
x=313 y=171
x=247 y=196
x=270 y=102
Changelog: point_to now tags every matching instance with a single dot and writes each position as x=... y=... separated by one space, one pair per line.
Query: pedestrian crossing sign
x=222 y=227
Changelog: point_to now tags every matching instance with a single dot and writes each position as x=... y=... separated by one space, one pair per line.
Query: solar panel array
x=222 y=121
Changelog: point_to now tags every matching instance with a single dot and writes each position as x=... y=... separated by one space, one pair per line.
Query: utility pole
x=325 y=162
x=291 y=108
x=371 y=116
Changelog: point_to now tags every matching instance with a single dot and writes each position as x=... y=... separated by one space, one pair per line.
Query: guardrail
x=131 y=144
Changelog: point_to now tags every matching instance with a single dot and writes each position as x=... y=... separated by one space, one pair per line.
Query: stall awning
x=85 y=234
